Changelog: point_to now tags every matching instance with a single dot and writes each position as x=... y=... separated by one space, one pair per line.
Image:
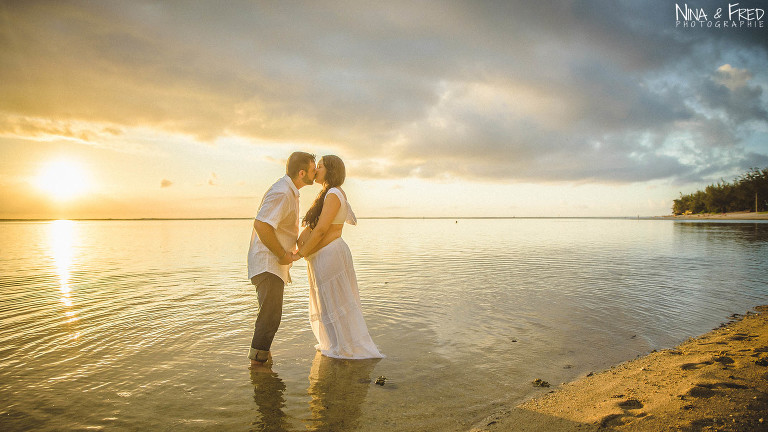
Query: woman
x=335 y=313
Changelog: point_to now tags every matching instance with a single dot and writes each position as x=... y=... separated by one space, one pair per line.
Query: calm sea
x=128 y=325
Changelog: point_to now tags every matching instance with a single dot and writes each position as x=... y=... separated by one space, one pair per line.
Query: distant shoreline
x=720 y=216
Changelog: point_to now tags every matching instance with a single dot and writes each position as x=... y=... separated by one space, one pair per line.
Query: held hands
x=287 y=258
x=297 y=255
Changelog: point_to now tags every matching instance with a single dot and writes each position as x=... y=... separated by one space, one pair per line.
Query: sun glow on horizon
x=63 y=180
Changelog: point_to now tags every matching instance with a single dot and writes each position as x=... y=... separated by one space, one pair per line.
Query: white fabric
x=345 y=213
x=335 y=313
x=280 y=209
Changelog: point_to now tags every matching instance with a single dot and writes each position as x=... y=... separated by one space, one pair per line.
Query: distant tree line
x=749 y=192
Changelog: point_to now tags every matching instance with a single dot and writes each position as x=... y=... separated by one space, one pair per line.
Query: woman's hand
x=286 y=259
x=303 y=237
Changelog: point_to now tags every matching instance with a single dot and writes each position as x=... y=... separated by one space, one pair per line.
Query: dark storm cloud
x=591 y=91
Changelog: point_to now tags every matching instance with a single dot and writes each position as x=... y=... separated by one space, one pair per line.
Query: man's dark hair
x=298 y=161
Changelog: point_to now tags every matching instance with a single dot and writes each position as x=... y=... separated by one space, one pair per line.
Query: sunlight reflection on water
x=145 y=324
x=62 y=236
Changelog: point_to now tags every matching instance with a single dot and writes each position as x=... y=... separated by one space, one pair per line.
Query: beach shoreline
x=720 y=216
x=717 y=381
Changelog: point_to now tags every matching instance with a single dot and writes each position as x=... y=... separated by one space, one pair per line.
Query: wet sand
x=721 y=216
x=718 y=381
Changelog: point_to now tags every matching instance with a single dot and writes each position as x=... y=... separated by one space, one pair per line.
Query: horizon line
x=361 y=217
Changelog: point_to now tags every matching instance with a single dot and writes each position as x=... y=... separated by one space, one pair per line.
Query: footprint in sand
x=725 y=360
x=701 y=391
x=692 y=366
x=612 y=420
x=709 y=390
x=628 y=405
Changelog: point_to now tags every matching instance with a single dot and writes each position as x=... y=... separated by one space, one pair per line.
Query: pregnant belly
x=333 y=233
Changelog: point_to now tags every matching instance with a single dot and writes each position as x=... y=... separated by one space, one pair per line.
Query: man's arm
x=267 y=236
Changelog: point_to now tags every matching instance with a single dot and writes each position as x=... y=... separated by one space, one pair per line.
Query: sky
x=180 y=109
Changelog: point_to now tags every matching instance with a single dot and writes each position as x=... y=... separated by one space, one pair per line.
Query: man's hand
x=296 y=256
x=267 y=236
x=286 y=259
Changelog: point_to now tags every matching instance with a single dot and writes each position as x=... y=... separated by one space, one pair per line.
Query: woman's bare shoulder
x=336 y=191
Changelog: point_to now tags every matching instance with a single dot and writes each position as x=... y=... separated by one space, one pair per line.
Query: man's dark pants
x=270 y=293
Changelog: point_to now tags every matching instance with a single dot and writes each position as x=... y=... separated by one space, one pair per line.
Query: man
x=273 y=241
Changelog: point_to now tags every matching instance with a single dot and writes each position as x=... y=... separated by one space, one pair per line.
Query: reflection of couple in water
x=335 y=312
x=337 y=388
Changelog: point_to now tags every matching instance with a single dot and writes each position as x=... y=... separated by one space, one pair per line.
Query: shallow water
x=146 y=324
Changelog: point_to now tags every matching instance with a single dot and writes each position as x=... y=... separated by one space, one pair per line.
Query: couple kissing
x=335 y=313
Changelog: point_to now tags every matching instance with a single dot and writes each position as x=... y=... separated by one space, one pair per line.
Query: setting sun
x=62 y=180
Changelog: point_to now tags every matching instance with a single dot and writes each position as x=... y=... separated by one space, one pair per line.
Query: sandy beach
x=721 y=216
x=718 y=381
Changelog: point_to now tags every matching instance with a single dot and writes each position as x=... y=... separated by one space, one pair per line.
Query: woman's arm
x=331 y=206
x=303 y=237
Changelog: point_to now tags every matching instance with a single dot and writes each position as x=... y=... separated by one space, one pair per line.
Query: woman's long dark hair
x=335 y=173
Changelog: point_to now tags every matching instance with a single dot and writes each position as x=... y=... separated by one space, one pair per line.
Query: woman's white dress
x=335 y=313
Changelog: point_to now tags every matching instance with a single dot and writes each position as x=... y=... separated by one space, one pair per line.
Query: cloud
x=512 y=91
x=44 y=129
x=164 y=183
x=732 y=77
x=729 y=92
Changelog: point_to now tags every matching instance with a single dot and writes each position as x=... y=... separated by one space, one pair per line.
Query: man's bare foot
x=257 y=366
x=262 y=366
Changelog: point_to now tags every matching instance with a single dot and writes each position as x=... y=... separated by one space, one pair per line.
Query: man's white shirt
x=280 y=209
